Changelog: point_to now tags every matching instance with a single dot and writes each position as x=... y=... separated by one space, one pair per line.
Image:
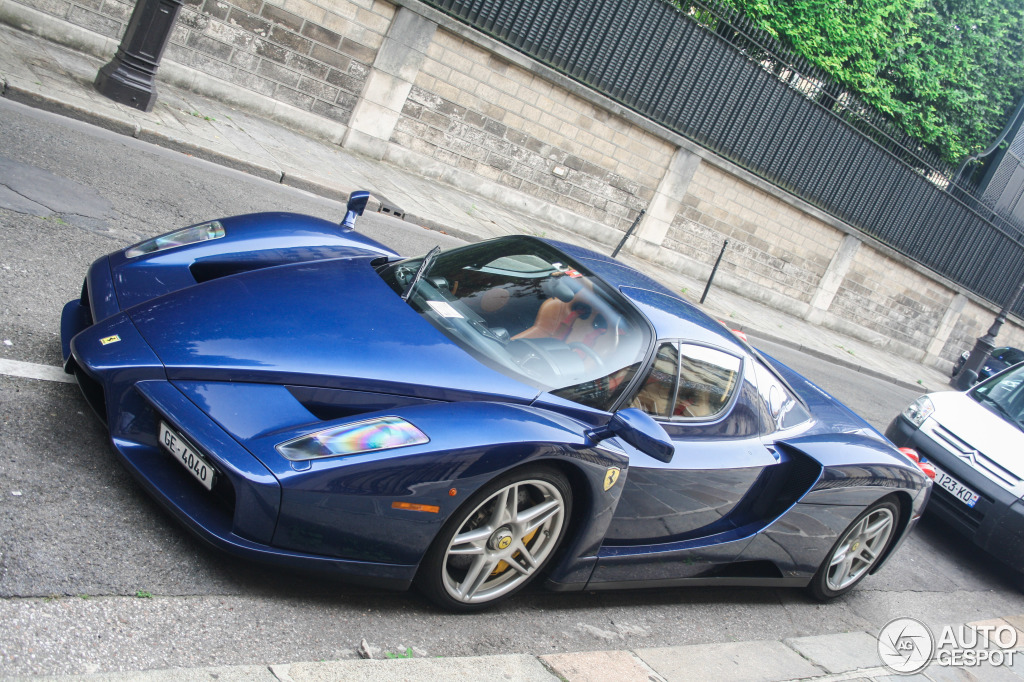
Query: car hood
x=980 y=429
x=332 y=324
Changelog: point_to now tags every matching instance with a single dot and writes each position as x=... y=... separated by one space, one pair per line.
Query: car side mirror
x=637 y=428
x=356 y=203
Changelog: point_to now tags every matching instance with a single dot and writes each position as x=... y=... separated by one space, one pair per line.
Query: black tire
x=837 y=576
x=512 y=551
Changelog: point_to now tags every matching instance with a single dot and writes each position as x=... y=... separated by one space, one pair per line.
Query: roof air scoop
x=356 y=204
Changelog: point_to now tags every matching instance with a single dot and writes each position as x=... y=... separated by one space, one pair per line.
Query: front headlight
x=182 y=237
x=381 y=433
x=918 y=411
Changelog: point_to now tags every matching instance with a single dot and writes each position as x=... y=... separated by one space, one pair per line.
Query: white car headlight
x=919 y=410
x=182 y=237
x=381 y=433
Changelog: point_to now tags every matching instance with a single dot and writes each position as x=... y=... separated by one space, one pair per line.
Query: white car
x=975 y=441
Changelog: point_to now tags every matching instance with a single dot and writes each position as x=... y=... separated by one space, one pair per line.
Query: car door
x=677 y=518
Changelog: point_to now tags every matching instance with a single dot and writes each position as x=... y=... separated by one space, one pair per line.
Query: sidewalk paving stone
x=839 y=653
x=728 y=662
x=999 y=637
x=600 y=666
x=517 y=667
x=981 y=673
x=1017 y=622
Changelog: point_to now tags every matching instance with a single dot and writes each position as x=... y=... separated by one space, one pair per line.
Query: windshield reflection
x=527 y=310
x=1004 y=394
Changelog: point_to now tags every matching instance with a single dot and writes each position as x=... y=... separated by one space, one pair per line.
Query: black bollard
x=129 y=78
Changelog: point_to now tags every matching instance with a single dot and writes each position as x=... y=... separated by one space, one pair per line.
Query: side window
x=659 y=388
x=780 y=409
x=689 y=382
x=708 y=378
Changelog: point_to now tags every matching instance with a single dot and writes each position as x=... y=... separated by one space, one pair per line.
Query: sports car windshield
x=527 y=310
x=1004 y=394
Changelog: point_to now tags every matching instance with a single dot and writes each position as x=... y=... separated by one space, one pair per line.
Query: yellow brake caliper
x=502 y=565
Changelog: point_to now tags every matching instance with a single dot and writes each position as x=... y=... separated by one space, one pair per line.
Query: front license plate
x=200 y=469
x=956 y=488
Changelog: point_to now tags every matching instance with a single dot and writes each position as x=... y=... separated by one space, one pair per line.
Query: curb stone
x=35 y=98
x=169 y=140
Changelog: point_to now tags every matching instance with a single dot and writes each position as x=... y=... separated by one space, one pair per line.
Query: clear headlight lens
x=919 y=410
x=182 y=237
x=382 y=433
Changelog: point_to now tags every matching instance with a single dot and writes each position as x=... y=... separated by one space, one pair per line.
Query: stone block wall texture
x=473 y=110
x=771 y=244
x=477 y=112
x=312 y=56
x=881 y=295
x=973 y=322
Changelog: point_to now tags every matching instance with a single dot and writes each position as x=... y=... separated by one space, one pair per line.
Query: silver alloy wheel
x=859 y=549
x=504 y=541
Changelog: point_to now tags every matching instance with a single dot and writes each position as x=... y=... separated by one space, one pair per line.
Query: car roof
x=673 y=316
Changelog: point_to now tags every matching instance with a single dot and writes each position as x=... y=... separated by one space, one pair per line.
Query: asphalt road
x=95 y=577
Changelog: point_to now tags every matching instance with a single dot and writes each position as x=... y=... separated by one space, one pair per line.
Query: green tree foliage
x=948 y=71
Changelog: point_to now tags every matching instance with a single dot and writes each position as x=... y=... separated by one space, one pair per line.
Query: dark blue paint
x=261 y=239
x=356 y=204
x=102 y=296
x=283 y=328
x=639 y=430
x=332 y=323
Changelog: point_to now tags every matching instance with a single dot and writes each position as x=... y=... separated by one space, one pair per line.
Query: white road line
x=30 y=370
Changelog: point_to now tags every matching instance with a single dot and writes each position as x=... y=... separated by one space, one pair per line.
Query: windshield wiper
x=428 y=261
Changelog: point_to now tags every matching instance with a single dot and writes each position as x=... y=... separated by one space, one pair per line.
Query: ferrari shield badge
x=610 y=477
x=107 y=340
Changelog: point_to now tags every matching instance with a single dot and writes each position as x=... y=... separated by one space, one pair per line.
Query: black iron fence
x=706 y=73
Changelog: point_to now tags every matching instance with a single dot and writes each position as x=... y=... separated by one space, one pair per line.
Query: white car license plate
x=189 y=458
x=956 y=488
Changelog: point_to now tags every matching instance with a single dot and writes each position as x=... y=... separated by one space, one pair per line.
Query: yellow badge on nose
x=106 y=340
x=610 y=477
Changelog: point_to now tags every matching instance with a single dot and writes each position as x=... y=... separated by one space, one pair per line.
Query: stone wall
x=314 y=57
x=895 y=302
x=105 y=17
x=771 y=244
x=402 y=82
x=971 y=323
x=473 y=110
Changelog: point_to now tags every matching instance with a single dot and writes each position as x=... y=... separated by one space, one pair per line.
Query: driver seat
x=554 y=321
x=558 y=311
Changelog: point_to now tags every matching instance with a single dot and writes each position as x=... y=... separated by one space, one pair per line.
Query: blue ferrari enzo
x=469 y=420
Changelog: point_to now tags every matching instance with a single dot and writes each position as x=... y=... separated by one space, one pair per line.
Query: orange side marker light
x=410 y=506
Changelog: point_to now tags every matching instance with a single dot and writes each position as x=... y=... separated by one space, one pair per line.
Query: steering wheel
x=535 y=360
x=589 y=352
